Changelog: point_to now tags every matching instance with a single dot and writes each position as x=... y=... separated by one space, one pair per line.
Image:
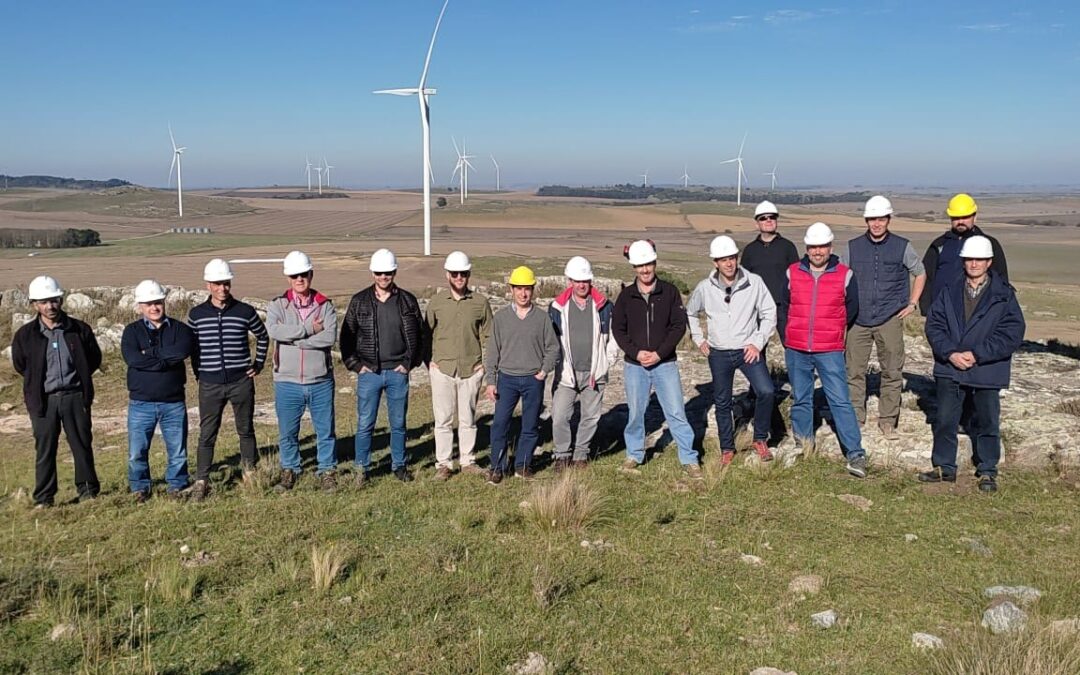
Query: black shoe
x=142 y=496
x=403 y=475
x=987 y=484
x=494 y=477
x=524 y=473
x=936 y=475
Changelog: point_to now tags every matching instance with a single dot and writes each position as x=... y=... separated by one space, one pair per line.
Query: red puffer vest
x=817 y=317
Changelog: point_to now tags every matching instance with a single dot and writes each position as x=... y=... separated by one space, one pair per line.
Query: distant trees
x=440 y=202
x=69 y=238
x=629 y=191
x=56 y=182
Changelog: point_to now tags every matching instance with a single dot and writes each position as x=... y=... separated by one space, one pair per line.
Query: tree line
x=57 y=182
x=629 y=191
x=27 y=238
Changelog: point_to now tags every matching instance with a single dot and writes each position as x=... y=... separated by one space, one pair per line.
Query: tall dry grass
x=1036 y=651
x=327 y=564
x=568 y=503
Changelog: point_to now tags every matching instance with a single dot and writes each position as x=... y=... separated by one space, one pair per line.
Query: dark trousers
x=212 y=400
x=64 y=409
x=983 y=426
x=723 y=363
x=509 y=390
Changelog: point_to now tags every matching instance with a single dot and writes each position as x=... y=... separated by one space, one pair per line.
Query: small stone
x=534 y=664
x=977 y=547
x=62 y=631
x=808 y=584
x=926 y=641
x=1004 y=617
x=585 y=543
x=751 y=560
x=1065 y=627
x=345 y=390
x=826 y=619
x=765 y=670
x=861 y=503
x=5 y=407
x=347 y=600
x=909 y=538
x=185 y=549
x=1025 y=595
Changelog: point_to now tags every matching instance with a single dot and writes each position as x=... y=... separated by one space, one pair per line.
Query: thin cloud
x=711 y=27
x=741 y=17
x=985 y=27
x=789 y=16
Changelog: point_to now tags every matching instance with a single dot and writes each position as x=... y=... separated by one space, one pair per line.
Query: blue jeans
x=143 y=417
x=290 y=400
x=664 y=379
x=984 y=426
x=508 y=390
x=369 y=389
x=832 y=370
x=723 y=363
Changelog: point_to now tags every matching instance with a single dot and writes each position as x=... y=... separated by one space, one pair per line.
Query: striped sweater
x=222 y=353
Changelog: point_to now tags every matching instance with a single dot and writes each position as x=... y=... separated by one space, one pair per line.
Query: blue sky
x=922 y=93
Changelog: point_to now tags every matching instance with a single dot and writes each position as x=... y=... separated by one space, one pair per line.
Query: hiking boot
x=328 y=481
x=726 y=457
x=200 y=491
x=524 y=473
x=287 y=482
x=987 y=484
x=443 y=473
x=693 y=471
x=630 y=465
x=178 y=494
x=579 y=464
x=888 y=431
x=856 y=466
x=142 y=496
x=361 y=479
x=474 y=470
x=762 y=450
x=936 y=475
x=403 y=475
x=87 y=497
x=494 y=477
x=561 y=464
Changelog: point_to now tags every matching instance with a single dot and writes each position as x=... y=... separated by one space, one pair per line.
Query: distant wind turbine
x=463 y=165
x=319 y=171
x=496 y=172
x=327 y=167
x=741 y=174
x=176 y=165
x=772 y=174
x=422 y=92
x=685 y=178
x=645 y=178
x=307 y=160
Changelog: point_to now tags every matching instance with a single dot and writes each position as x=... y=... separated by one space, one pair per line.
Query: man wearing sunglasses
x=155 y=347
x=56 y=356
x=303 y=325
x=769 y=255
x=741 y=317
x=382 y=339
x=459 y=321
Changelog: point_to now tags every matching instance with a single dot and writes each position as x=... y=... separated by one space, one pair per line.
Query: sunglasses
x=727 y=294
x=384 y=274
x=459 y=275
x=302 y=275
x=766 y=217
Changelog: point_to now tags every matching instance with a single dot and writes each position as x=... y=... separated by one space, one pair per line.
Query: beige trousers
x=450 y=395
x=889 y=338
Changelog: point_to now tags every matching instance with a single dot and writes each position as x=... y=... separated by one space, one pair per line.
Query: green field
x=132 y=202
x=165 y=244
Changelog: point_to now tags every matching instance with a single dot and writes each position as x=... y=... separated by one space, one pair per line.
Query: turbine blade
x=742 y=144
x=431 y=46
x=171 y=167
x=412 y=91
x=456 y=149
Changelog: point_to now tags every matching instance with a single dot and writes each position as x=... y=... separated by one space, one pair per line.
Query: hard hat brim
x=956 y=214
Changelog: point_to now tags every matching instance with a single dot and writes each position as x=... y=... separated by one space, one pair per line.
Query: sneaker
x=562 y=464
x=987 y=484
x=200 y=491
x=142 y=496
x=494 y=477
x=328 y=481
x=856 y=466
x=694 y=472
x=888 y=431
x=87 y=497
x=727 y=457
x=473 y=469
x=630 y=465
x=403 y=475
x=936 y=475
x=579 y=464
x=443 y=473
x=287 y=482
x=361 y=479
x=524 y=473
x=763 y=451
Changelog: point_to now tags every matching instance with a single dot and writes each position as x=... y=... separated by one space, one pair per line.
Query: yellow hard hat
x=522 y=276
x=961 y=206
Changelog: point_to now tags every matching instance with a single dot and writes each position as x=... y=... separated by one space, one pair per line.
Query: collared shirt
x=459 y=326
x=60 y=372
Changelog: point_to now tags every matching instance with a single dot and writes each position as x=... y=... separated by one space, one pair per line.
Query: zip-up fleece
x=655 y=325
x=748 y=319
x=28 y=353
x=604 y=349
x=822 y=308
x=301 y=355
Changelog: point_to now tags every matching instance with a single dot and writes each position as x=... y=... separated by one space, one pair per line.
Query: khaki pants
x=450 y=395
x=889 y=338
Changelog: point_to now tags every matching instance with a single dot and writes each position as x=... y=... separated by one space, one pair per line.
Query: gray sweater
x=520 y=346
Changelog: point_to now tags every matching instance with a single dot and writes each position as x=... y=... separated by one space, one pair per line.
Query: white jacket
x=604 y=348
x=749 y=319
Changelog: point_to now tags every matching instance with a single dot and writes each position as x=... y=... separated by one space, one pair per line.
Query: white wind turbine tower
x=319 y=171
x=685 y=177
x=176 y=165
x=742 y=174
x=772 y=175
x=496 y=172
x=307 y=160
x=327 y=167
x=422 y=92
x=645 y=178
x=463 y=165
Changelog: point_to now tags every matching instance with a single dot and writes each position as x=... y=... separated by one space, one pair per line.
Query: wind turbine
x=463 y=165
x=772 y=174
x=327 y=167
x=685 y=177
x=422 y=92
x=645 y=178
x=741 y=174
x=496 y=172
x=176 y=165
x=319 y=171
x=308 y=170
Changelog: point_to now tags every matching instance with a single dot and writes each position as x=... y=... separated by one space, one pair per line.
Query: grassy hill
x=130 y=201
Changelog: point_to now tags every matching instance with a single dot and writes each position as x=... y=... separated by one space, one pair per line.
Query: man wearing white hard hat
x=741 y=315
x=57 y=355
x=648 y=322
x=225 y=370
x=383 y=337
x=824 y=301
x=459 y=321
x=973 y=328
x=582 y=318
x=303 y=325
x=769 y=255
x=155 y=348
x=884 y=264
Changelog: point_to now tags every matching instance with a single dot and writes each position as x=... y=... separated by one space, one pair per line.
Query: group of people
x=829 y=314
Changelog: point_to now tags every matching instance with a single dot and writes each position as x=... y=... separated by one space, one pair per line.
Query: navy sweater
x=222 y=354
x=155 y=360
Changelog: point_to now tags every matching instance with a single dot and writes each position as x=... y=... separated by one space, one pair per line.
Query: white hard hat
x=722 y=247
x=818 y=234
x=217 y=270
x=877 y=207
x=383 y=260
x=297 y=262
x=579 y=269
x=44 y=288
x=977 y=246
x=641 y=252
x=765 y=207
x=149 y=291
x=457 y=261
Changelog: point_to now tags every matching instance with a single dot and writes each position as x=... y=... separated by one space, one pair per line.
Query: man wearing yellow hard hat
x=521 y=350
x=942 y=260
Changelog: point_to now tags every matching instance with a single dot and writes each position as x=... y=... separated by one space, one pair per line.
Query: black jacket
x=771 y=261
x=28 y=353
x=657 y=325
x=360 y=330
x=155 y=360
x=943 y=265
